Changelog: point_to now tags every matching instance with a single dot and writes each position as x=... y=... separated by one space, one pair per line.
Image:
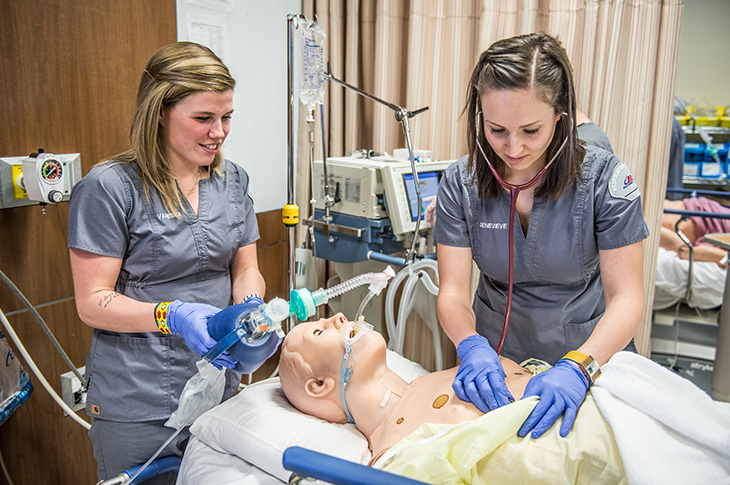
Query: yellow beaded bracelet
x=161 y=317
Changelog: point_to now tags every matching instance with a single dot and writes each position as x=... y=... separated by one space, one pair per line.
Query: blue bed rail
x=686 y=214
x=311 y=464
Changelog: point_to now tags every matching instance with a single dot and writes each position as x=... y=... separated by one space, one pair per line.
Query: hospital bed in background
x=688 y=298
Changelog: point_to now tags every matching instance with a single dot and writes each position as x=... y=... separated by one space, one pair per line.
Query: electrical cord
x=5 y=470
x=31 y=363
x=45 y=328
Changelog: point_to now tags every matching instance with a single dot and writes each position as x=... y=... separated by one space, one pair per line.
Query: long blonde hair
x=174 y=72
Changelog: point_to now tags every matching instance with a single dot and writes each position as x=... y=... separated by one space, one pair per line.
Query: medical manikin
x=321 y=358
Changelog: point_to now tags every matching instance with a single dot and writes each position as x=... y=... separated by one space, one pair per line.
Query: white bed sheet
x=690 y=433
x=202 y=465
x=708 y=282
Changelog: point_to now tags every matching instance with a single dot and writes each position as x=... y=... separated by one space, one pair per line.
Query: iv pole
x=290 y=212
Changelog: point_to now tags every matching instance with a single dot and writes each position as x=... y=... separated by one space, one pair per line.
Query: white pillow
x=258 y=424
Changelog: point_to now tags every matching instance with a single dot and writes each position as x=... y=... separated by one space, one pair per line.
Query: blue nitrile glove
x=561 y=389
x=480 y=379
x=190 y=320
x=250 y=354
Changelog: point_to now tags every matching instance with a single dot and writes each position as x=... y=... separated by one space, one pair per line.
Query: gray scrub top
x=136 y=377
x=557 y=295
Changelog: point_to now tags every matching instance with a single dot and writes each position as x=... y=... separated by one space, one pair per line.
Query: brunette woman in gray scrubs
x=577 y=292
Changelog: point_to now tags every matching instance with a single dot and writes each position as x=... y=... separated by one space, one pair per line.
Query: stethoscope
x=514 y=191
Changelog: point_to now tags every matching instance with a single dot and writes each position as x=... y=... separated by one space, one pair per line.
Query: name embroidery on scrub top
x=167 y=215
x=493 y=225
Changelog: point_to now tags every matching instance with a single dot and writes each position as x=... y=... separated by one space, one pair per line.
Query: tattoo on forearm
x=104 y=302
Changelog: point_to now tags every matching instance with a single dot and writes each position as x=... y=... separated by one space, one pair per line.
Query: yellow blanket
x=487 y=450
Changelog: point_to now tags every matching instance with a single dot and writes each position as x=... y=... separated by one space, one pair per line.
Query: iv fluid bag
x=311 y=89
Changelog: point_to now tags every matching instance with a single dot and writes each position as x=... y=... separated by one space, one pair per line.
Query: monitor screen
x=429 y=183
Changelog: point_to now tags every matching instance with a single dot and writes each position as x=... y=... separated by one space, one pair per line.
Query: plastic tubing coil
x=354 y=282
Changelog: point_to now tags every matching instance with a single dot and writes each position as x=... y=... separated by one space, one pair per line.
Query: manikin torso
x=383 y=405
x=430 y=399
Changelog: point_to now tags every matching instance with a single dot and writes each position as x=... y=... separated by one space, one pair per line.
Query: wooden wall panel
x=68 y=76
x=271 y=249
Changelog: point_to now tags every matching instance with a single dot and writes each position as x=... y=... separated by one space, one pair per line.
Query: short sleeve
x=618 y=212
x=97 y=213
x=247 y=226
x=452 y=205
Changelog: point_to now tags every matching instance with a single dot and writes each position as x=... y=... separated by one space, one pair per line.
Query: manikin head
x=310 y=366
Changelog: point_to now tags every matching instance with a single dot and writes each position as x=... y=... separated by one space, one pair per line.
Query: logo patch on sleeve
x=622 y=184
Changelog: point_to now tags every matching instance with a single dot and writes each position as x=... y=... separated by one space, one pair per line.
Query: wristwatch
x=252 y=295
x=588 y=365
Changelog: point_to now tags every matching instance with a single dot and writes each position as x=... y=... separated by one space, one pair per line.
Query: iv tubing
x=38 y=374
x=177 y=431
x=328 y=200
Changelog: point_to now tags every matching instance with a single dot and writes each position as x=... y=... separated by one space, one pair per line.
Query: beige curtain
x=420 y=53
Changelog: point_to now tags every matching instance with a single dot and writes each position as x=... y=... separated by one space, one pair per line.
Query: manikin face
x=195 y=127
x=320 y=339
x=519 y=126
x=322 y=343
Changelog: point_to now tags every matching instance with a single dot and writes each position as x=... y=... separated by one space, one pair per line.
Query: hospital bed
x=687 y=302
x=243 y=440
x=685 y=435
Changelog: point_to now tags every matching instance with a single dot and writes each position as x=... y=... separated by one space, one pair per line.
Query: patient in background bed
x=695 y=228
x=386 y=409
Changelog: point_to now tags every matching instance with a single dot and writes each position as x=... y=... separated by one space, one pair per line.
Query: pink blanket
x=706 y=225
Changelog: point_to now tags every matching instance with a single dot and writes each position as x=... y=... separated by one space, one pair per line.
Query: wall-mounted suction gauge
x=51 y=171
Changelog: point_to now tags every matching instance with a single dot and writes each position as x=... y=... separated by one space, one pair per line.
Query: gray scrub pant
x=120 y=446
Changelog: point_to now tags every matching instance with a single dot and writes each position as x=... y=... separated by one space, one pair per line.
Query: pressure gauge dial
x=51 y=171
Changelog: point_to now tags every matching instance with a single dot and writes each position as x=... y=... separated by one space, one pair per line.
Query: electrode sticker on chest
x=622 y=184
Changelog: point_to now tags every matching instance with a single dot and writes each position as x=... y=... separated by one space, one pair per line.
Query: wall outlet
x=72 y=391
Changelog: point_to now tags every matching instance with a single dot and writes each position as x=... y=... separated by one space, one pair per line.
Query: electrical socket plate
x=71 y=390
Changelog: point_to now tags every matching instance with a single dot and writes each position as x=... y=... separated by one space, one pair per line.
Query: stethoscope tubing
x=514 y=192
